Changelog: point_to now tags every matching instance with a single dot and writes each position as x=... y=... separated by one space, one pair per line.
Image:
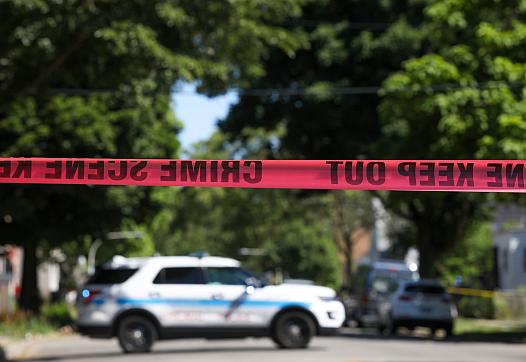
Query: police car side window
x=227 y=276
x=180 y=276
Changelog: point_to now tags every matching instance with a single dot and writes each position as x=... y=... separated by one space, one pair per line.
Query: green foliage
x=505 y=331
x=476 y=307
x=22 y=327
x=511 y=306
x=138 y=46
x=93 y=79
x=295 y=232
x=132 y=247
x=58 y=314
x=472 y=259
x=453 y=76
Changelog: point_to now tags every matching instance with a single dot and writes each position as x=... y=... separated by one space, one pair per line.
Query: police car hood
x=314 y=290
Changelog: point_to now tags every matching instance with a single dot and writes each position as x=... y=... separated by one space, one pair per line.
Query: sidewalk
x=11 y=349
x=22 y=349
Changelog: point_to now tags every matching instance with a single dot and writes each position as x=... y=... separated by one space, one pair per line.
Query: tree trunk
x=29 y=296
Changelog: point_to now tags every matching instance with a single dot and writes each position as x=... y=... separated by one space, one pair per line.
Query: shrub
x=476 y=307
x=59 y=314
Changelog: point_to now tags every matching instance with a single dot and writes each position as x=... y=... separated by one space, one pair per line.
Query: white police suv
x=141 y=300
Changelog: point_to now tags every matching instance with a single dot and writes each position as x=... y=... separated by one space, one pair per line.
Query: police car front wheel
x=293 y=330
x=136 y=334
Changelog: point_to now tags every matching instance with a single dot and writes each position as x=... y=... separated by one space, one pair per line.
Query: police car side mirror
x=252 y=283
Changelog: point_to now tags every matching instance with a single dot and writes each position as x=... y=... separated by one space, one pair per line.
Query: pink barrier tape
x=402 y=175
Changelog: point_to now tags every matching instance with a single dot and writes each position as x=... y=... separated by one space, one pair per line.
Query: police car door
x=179 y=296
x=236 y=303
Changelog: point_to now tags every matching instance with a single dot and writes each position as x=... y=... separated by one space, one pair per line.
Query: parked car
x=140 y=300
x=373 y=280
x=424 y=303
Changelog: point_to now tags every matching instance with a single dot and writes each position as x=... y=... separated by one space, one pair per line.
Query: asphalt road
x=352 y=347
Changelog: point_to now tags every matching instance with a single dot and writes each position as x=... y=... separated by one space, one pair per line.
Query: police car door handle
x=154 y=295
x=217 y=296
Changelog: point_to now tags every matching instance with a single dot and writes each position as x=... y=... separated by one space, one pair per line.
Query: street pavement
x=350 y=347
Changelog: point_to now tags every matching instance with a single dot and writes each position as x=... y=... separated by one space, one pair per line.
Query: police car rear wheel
x=294 y=330
x=136 y=334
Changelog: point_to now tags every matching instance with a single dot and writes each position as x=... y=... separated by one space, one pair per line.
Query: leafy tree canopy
x=93 y=79
x=452 y=86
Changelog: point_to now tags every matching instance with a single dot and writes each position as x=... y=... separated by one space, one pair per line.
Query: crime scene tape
x=396 y=175
x=482 y=293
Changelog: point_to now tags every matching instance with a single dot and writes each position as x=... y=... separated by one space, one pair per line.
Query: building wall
x=511 y=259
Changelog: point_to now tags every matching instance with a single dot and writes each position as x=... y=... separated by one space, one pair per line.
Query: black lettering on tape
x=357 y=179
x=5 y=169
x=193 y=169
x=253 y=177
x=408 y=169
x=496 y=174
x=214 y=165
x=55 y=168
x=22 y=167
x=171 y=169
x=334 y=170
x=445 y=169
x=380 y=174
x=98 y=167
x=230 y=168
x=123 y=170
x=137 y=172
x=75 y=169
x=465 y=174
x=515 y=175
x=427 y=169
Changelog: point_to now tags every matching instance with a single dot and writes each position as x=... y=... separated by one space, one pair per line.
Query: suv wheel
x=293 y=330
x=380 y=328
x=391 y=327
x=449 y=330
x=136 y=334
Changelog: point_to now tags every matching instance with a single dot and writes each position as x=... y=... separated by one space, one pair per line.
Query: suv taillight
x=88 y=294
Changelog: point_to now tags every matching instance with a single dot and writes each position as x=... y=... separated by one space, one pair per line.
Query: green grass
x=20 y=328
x=51 y=319
x=490 y=330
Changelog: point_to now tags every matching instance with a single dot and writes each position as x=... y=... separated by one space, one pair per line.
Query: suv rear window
x=180 y=276
x=426 y=289
x=111 y=276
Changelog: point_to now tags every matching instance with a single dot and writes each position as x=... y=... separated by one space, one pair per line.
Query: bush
x=59 y=314
x=21 y=324
x=511 y=305
x=476 y=307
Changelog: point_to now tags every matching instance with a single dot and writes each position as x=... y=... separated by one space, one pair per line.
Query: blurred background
x=264 y=79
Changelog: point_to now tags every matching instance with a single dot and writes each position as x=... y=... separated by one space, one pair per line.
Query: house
x=10 y=276
x=510 y=246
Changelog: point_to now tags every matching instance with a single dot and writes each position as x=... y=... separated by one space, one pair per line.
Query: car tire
x=293 y=330
x=380 y=328
x=136 y=334
x=391 y=328
x=449 y=331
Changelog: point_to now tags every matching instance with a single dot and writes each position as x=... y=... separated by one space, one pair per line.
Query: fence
x=488 y=304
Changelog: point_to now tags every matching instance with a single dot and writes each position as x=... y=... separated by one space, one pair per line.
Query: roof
x=182 y=261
